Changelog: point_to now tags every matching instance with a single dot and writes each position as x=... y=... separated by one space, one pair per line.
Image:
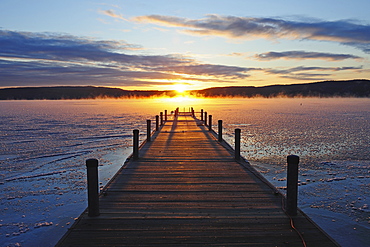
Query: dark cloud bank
x=28 y=59
x=45 y=59
x=344 y=32
x=302 y=55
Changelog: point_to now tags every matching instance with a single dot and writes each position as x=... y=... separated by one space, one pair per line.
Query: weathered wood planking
x=186 y=189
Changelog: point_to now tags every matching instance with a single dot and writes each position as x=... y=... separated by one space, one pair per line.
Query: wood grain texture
x=186 y=190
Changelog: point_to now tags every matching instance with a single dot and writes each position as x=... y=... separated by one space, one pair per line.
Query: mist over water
x=45 y=144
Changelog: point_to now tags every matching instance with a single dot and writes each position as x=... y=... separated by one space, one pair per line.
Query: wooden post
x=205 y=118
x=292 y=185
x=156 y=123
x=210 y=122
x=92 y=187
x=237 y=144
x=148 y=130
x=161 y=115
x=192 y=112
x=136 y=144
x=165 y=115
x=201 y=115
x=220 y=130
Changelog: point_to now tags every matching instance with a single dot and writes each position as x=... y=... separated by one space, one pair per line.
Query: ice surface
x=330 y=136
x=42 y=162
x=45 y=144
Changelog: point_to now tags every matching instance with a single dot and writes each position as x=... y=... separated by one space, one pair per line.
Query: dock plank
x=186 y=189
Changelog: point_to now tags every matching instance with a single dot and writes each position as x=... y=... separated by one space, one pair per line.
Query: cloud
x=309 y=73
x=231 y=72
x=170 y=21
x=58 y=59
x=35 y=59
x=112 y=14
x=50 y=46
x=342 y=31
x=304 y=68
x=303 y=55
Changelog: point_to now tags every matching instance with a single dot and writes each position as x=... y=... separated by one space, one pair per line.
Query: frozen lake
x=45 y=144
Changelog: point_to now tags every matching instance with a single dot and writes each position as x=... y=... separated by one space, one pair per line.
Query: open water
x=44 y=145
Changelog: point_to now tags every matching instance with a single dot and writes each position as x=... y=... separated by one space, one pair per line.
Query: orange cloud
x=112 y=14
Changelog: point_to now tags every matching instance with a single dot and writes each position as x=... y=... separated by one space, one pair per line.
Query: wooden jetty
x=187 y=189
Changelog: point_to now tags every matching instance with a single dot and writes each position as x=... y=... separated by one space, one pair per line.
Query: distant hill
x=351 y=88
x=89 y=92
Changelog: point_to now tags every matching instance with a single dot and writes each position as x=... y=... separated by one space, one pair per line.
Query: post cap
x=293 y=159
x=92 y=163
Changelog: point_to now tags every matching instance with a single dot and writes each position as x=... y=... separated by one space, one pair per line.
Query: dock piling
x=136 y=144
x=292 y=185
x=156 y=123
x=210 y=122
x=237 y=144
x=201 y=114
x=220 y=130
x=161 y=115
x=148 y=130
x=205 y=118
x=165 y=115
x=92 y=187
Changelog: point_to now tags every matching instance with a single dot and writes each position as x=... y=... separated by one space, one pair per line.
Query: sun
x=180 y=88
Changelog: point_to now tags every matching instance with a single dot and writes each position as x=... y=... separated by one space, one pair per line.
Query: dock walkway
x=186 y=189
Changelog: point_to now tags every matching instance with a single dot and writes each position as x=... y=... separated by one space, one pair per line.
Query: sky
x=155 y=44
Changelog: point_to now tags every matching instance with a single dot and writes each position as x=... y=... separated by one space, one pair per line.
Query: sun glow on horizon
x=180 y=88
x=183 y=99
